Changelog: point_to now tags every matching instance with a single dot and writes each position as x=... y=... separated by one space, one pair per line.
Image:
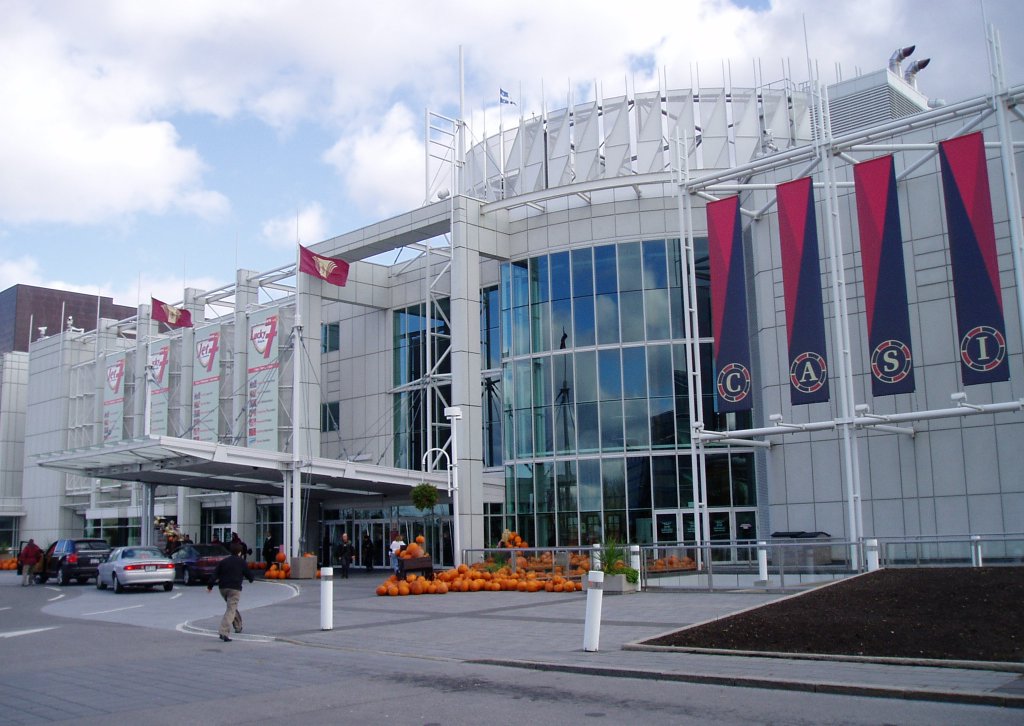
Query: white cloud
x=381 y=166
x=309 y=224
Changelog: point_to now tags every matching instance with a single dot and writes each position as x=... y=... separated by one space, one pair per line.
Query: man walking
x=345 y=554
x=30 y=556
x=228 y=576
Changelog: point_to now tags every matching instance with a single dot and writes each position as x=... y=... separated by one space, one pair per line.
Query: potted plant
x=619 y=578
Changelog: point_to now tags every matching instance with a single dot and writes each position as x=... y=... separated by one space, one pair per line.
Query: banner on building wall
x=113 y=398
x=801 y=281
x=159 y=388
x=981 y=330
x=885 y=279
x=206 y=383
x=263 y=372
x=729 y=306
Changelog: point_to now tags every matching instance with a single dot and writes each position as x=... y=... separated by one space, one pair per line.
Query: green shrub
x=612 y=553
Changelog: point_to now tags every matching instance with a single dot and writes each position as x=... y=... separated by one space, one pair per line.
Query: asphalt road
x=73 y=654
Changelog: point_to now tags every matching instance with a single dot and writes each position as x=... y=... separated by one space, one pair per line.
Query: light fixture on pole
x=453 y=414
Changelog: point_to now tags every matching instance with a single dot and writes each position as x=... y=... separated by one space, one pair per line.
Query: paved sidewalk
x=545 y=631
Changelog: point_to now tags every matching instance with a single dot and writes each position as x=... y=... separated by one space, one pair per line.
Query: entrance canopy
x=170 y=461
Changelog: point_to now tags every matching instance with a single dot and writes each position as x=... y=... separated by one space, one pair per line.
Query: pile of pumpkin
x=280 y=569
x=11 y=564
x=477 y=578
x=671 y=563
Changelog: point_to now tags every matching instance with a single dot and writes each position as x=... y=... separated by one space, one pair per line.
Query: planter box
x=613 y=585
x=303 y=568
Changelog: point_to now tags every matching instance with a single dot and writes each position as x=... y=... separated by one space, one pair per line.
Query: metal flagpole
x=295 y=545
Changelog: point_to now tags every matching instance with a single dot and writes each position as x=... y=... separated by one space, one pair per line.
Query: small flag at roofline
x=503 y=97
x=170 y=315
x=328 y=269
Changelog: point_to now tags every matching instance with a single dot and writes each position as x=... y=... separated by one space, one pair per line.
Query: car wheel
x=100 y=585
x=118 y=587
x=168 y=586
x=188 y=578
x=62 y=577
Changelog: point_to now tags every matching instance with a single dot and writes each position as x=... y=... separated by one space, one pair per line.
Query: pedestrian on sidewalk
x=30 y=556
x=345 y=554
x=397 y=545
x=228 y=576
x=367 y=553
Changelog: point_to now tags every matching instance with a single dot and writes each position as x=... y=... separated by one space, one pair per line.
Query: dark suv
x=73 y=559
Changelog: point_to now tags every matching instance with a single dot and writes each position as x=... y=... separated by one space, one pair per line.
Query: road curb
x=845 y=689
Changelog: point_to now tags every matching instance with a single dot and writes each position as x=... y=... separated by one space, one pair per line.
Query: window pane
x=559 y=271
x=630 y=267
x=587 y=428
x=604 y=270
x=542 y=434
x=521 y=330
x=634 y=373
x=718 y=481
x=655 y=272
x=631 y=311
x=608 y=318
x=545 y=536
x=524 y=432
x=541 y=381
x=610 y=372
x=744 y=493
x=582 y=273
x=540 y=327
x=611 y=426
x=638 y=482
x=586 y=376
x=641 y=526
x=637 y=424
x=662 y=413
x=685 y=482
x=561 y=324
x=656 y=302
x=524 y=488
x=613 y=483
x=539 y=280
x=565 y=479
x=544 y=485
x=583 y=321
x=663 y=475
x=660 y=375
x=568 y=530
x=615 y=526
x=520 y=284
x=524 y=384
x=590 y=485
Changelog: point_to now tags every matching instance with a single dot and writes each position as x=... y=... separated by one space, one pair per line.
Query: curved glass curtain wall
x=595 y=417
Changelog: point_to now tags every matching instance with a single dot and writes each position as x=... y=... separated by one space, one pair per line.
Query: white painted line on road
x=115 y=610
x=55 y=598
x=51 y=587
x=6 y=608
x=175 y=596
x=16 y=633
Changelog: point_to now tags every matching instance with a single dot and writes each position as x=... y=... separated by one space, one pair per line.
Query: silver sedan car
x=135 y=566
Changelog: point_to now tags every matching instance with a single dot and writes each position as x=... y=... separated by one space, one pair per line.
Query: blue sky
x=149 y=146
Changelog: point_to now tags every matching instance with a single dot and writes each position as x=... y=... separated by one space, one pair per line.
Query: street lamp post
x=453 y=414
x=448 y=469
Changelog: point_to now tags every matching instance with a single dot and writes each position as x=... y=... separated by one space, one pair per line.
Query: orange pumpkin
x=382 y=590
x=281 y=557
x=420 y=539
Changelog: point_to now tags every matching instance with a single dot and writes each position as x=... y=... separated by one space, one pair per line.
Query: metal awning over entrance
x=170 y=461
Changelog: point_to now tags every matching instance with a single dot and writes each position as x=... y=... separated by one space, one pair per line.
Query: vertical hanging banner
x=885 y=279
x=113 y=397
x=801 y=282
x=263 y=379
x=981 y=330
x=206 y=383
x=159 y=388
x=729 y=306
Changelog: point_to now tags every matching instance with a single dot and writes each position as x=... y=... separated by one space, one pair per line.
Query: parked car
x=195 y=563
x=73 y=559
x=135 y=566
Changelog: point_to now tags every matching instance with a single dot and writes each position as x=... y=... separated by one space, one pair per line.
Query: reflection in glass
x=587 y=427
x=658 y=324
x=655 y=272
x=611 y=426
x=610 y=374
x=663 y=476
x=637 y=424
x=590 y=484
x=638 y=482
x=631 y=310
x=613 y=483
x=608 y=318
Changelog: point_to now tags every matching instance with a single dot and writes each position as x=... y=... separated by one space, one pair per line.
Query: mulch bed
x=939 y=613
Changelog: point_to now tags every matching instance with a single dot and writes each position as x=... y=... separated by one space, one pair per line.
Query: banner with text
x=263 y=371
x=113 y=398
x=729 y=306
x=159 y=388
x=981 y=330
x=801 y=282
x=206 y=383
x=885 y=279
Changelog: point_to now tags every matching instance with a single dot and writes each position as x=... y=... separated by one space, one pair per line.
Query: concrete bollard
x=634 y=562
x=592 y=623
x=326 y=598
x=976 y=558
x=762 y=562
x=595 y=559
x=871 y=554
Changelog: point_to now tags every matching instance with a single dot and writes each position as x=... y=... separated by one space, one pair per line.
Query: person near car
x=367 y=553
x=228 y=577
x=345 y=554
x=30 y=556
x=235 y=539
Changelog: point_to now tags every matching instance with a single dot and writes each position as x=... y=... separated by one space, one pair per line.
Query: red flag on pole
x=327 y=269
x=172 y=316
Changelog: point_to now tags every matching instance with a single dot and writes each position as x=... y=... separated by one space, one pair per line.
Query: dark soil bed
x=943 y=613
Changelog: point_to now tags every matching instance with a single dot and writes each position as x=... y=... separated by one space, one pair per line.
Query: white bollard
x=762 y=562
x=595 y=559
x=976 y=559
x=326 y=598
x=871 y=554
x=592 y=624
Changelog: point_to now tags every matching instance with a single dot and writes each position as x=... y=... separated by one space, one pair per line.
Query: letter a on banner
x=801 y=282
x=972 y=249
x=885 y=279
x=729 y=306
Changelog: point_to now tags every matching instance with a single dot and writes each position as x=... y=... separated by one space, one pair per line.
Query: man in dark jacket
x=29 y=558
x=228 y=576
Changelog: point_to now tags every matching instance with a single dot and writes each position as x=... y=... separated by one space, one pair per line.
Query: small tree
x=424 y=496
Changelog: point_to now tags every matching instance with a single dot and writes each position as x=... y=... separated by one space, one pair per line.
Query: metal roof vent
x=911 y=75
x=898 y=56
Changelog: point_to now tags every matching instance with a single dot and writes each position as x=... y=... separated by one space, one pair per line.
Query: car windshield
x=97 y=545
x=210 y=550
x=143 y=553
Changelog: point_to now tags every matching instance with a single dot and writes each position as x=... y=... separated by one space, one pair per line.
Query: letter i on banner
x=972 y=250
x=801 y=283
x=729 y=306
x=885 y=279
